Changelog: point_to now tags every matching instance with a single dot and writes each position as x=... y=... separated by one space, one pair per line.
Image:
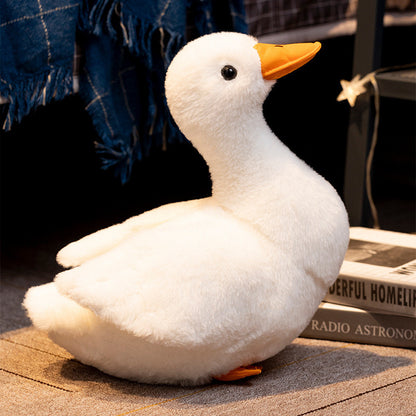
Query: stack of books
x=373 y=301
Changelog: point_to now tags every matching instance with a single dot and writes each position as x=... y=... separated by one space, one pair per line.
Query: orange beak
x=279 y=60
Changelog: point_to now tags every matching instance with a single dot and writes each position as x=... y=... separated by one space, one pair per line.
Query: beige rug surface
x=310 y=377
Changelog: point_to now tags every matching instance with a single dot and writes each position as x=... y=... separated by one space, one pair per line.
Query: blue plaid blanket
x=124 y=49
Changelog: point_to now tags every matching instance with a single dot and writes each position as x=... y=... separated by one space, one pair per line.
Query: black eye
x=228 y=72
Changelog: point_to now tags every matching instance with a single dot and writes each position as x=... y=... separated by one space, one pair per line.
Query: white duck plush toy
x=202 y=289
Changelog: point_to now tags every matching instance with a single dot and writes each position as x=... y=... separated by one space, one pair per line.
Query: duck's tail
x=51 y=311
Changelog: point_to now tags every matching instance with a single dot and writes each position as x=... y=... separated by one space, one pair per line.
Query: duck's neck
x=245 y=160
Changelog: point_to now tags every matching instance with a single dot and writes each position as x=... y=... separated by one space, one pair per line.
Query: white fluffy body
x=192 y=290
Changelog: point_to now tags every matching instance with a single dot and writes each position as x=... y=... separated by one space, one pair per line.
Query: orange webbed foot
x=240 y=372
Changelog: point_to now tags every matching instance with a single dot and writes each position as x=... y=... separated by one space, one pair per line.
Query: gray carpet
x=308 y=377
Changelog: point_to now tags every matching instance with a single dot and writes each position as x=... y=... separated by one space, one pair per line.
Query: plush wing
x=78 y=252
x=196 y=279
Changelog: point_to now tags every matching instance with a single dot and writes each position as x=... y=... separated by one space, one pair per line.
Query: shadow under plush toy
x=201 y=289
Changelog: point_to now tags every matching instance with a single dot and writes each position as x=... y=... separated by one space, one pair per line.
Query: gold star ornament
x=352 y=89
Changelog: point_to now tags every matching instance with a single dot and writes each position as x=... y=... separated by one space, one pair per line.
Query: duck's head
x=223 y=78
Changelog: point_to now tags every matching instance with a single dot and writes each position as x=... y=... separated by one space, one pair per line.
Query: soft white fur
x=194 y=289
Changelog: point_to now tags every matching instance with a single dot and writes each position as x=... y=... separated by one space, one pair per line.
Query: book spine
x=356 y=325
x=373 y=294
